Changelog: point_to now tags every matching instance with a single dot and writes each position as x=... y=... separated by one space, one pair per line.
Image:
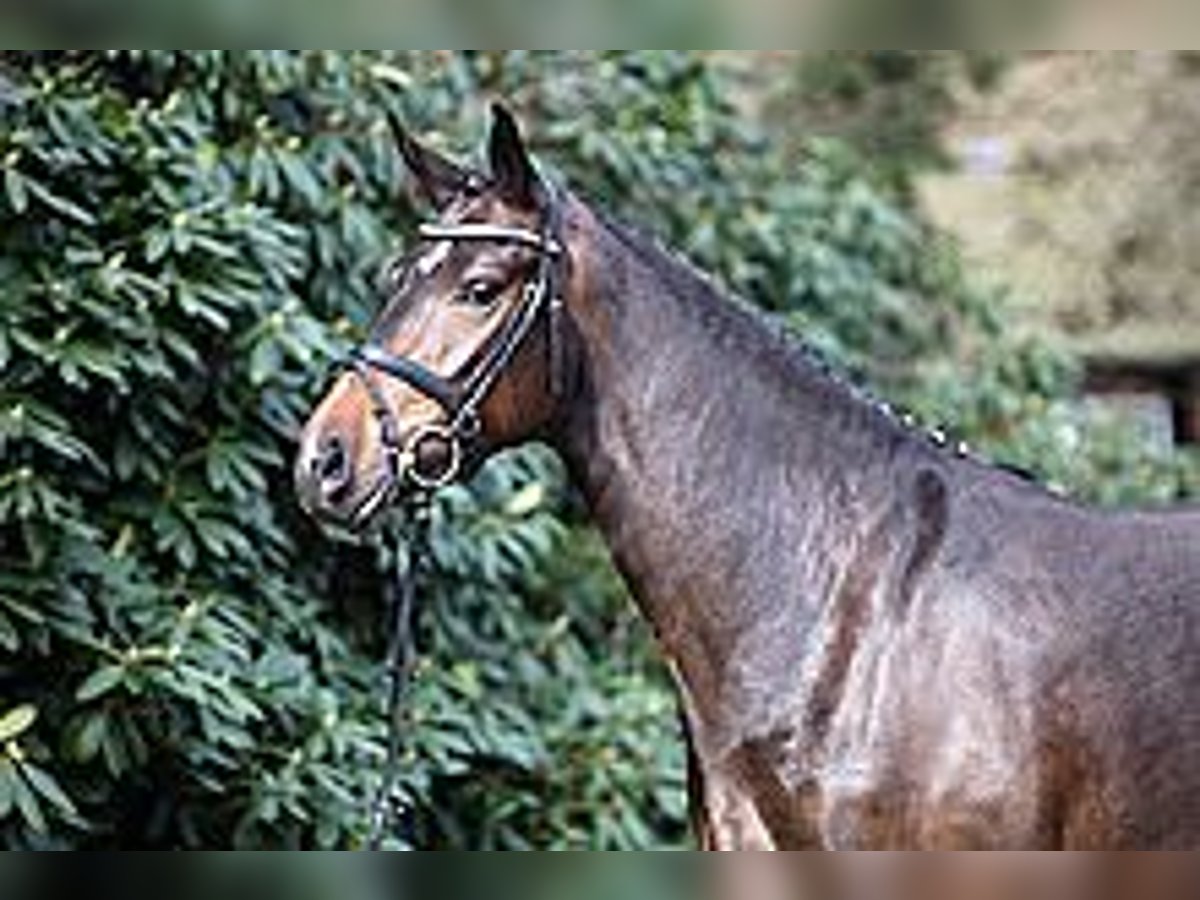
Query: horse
x=877 y=642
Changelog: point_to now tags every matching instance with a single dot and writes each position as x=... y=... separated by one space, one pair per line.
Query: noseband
x=461 y=400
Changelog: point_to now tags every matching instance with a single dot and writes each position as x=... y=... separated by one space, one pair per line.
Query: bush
x=186 y=662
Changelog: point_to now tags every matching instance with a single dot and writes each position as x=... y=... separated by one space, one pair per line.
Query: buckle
x=432 y=433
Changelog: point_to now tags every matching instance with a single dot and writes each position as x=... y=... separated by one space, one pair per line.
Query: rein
x=458 y=433
x=401 y=660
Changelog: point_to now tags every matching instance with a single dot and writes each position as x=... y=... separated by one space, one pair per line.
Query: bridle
x=460 y=432
x=461 y=401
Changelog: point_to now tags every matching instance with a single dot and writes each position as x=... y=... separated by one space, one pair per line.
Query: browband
x=480 y=231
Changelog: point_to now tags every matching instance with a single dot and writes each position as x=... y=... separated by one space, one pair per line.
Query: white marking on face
x=428 y=263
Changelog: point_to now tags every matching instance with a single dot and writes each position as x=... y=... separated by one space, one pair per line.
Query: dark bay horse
x=878 y=643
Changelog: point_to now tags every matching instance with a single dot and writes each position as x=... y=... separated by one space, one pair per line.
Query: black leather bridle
x=461 y=400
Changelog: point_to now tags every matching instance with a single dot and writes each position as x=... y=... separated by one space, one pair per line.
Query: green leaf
x=16 y=721
x=10 y=638
x=300 y=177
x=14 y=187
x=173 y=535
x=526 y=500
x=100 y=683
x=46 y=785
x=157 y=245
x=265 y=361
x=59 y=204
x=89 y=737
x=28 y=805
x=8 y=791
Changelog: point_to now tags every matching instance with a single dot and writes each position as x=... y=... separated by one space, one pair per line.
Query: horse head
x=465 y=356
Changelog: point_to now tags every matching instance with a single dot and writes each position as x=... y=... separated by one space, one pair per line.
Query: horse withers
x=878 y=643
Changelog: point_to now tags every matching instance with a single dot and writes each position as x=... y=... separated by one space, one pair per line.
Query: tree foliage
x=892 y=106
x=188 y=240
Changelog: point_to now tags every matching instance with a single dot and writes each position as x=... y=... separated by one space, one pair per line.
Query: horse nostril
x=331 y=466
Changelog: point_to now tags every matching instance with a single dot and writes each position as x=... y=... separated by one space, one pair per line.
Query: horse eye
x=480 y=292
x=390 y=278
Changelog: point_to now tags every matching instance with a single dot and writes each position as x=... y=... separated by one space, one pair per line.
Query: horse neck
x=728 y=474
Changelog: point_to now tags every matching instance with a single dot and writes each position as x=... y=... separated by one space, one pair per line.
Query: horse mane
x=733 y=320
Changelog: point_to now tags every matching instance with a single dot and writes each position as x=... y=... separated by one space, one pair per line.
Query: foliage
x=889 y=105
x=215 y=220
x=158 y=612
x=187 y=240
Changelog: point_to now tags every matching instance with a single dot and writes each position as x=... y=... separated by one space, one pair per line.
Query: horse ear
x=438 y=179
x=513 y=172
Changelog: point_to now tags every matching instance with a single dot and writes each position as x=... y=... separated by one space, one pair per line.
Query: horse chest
x=896 y=766
x=963 y=798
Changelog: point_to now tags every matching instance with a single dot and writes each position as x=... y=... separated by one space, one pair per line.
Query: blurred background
x=808 y=876
x=997 y=242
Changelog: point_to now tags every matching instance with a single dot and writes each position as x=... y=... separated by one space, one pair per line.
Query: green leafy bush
x=187 y=241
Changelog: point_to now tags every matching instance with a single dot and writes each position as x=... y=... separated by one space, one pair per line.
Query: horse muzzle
x=334 y=486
